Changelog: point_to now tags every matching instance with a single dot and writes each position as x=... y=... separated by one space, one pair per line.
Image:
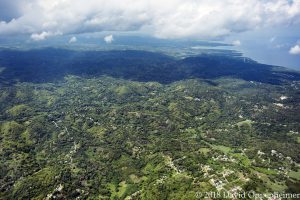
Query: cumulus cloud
x=295 y=50
x=163 y=19
x=236 y=43
x=109 y=39
x=73 y=39
x=44 y=35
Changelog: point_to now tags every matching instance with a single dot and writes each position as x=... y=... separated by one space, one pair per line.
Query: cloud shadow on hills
x=50 y=65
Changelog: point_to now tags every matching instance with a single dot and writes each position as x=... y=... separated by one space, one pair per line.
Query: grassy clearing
x=295 y=175
x=204 y=150
x=244 y=159
x=245 y=123
x=265 y=171
x=276 y=186
x=222 y=148
x=122 y=188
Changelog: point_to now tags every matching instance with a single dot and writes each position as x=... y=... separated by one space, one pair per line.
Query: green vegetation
x=107 y=137
x=295 y=175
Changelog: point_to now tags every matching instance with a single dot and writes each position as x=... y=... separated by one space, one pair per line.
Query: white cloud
x=109 y=39
x=42 y=36
x=73 y=39
x=164 y=19
x=295 y=50
x=236 y=43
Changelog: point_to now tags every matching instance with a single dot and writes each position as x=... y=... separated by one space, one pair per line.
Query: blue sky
x=266 y=30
